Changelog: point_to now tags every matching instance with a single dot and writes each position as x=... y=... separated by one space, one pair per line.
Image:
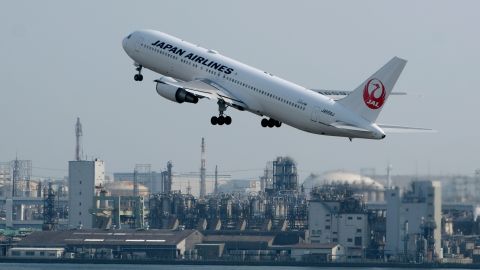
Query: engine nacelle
x=175 y=94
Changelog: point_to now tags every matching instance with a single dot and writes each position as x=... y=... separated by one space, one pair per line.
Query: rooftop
x=104 y=237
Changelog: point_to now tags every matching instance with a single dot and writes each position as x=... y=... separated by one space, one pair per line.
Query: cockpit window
x=128 y=37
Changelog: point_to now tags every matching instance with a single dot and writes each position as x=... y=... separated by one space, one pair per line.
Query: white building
x=83 y=176
x=338 y=223
x=413 y=219
x=318 y=252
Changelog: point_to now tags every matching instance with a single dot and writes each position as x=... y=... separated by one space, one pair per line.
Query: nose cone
x=124 y=44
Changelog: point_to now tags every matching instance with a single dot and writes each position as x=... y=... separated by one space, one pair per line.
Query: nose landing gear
x=138 y=76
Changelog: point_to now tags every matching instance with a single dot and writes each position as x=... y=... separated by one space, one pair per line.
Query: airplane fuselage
x=262 y=92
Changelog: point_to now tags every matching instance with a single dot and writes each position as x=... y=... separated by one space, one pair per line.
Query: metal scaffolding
x=21 y=176
x=50 y=217
x=285 y=175
x=167 y=178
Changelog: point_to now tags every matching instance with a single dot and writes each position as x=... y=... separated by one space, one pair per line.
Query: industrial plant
x=148 y=214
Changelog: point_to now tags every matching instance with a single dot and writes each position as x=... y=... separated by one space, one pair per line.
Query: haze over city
x=65 y=60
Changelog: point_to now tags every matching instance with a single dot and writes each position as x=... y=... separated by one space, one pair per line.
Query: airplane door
x=315 y=114
x=139 y=44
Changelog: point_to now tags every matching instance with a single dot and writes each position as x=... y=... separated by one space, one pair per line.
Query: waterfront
x=55 y=266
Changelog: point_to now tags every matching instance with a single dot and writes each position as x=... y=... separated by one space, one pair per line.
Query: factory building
x=336 y=215
x=174 y=245
x=237 y=204
x=284 y=176
x=83 y=177
x=22 y=198
x=120 y=244
x=414 y=221
x=35 y=253
x=251 y=245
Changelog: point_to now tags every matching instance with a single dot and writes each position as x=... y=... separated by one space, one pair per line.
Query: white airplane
x=190 y=72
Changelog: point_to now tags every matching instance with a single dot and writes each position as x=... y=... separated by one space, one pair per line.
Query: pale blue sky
x=63 y=59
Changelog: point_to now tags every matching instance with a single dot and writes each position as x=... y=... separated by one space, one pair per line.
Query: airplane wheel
x=278 y=124
x=140 y=77
x=228 y=120
x=264 y=122
x=221 y=120
x=213 y=120
x=271 y=123
x=136 y=77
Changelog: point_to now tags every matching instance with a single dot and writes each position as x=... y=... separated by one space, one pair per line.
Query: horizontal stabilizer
x=401 y=129
x=346 y=126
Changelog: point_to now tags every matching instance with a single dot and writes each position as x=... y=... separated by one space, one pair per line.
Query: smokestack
x=203 y=184
x=78 y=134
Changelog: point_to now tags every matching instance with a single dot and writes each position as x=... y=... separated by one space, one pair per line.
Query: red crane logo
x=374 y=94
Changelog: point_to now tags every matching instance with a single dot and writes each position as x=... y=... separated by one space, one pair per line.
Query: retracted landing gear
x=271 y=123
x=138 y=76
x=221 y=119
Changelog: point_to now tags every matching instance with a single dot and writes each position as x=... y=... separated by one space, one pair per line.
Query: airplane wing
x=402 y=129
x=204 y=88
x=335 y=93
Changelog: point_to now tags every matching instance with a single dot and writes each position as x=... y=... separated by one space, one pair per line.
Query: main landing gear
x=271 y=123
x=221 y=119
x=138 y=76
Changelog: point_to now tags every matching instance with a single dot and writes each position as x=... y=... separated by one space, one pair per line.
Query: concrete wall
x=407 y=215
x=83 y=176
x=326 y=225
x=392 y=246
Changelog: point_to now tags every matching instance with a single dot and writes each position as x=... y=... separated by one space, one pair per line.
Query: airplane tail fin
x=368 y=98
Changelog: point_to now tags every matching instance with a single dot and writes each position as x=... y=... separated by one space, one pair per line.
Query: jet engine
x=175 y=94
